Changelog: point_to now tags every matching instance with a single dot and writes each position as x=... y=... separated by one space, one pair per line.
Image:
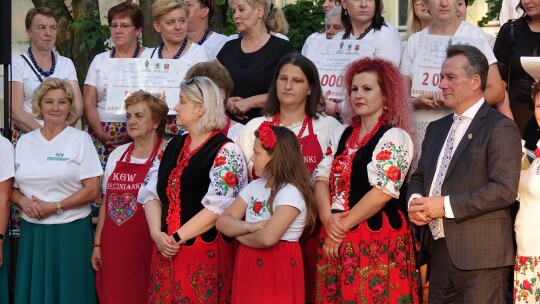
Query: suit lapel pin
x=469 y=136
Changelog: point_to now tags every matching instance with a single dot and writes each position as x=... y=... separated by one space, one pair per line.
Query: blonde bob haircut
x=204 y=92
x=162 y=7
x=53 y=84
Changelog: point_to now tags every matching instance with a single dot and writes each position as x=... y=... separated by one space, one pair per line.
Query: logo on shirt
x=58 y=157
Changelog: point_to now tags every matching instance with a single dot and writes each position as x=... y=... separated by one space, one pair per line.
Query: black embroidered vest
x=359 y=184
x=194 y=181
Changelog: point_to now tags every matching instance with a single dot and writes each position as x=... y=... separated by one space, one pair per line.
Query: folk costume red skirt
x=269 y=276
x=198 y=273
x=373 y=267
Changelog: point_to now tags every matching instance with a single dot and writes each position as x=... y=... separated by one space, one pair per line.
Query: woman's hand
x=48 y=208
x=231 y=105
x=334 y=228
x=331 y=248
x=96 y=258
x=242 y=106
x=106 y=139
x=31 y=208
x=253 y=227
x=165 y=244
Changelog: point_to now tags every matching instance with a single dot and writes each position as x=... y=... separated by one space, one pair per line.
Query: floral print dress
x=376 y=260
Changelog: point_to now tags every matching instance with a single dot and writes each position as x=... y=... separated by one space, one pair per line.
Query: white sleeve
x=72 y=74
x=17 y=69
x=148 y=190
x=408 y=56
x=290 y=196
x=92 y=74
x=390 y=162
x=227 y=177
x=7 y=160
x=90 y=166
x=388 y=45
x=322 y=171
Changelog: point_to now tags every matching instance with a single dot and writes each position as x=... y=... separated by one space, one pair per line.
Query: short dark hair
x=376 y=23
x=314 y=101
x=211 y=4
x=477 y=61
x=127 y=9
x=38 y=11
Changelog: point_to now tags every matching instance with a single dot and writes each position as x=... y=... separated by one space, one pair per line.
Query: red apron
x=311 y=148
x=313 y=154
x=126 y=245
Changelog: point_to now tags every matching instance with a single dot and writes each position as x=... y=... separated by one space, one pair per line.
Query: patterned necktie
x=436 y=225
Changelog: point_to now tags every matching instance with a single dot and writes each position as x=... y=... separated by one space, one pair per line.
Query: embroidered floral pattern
x=257 y=208
x=371 y=269
x=527 y=280
x=228 y=165
x=205 y=281
x=391 y=165
x=122 y=207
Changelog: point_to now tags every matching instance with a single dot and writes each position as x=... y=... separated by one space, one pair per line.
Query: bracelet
x=97 y=245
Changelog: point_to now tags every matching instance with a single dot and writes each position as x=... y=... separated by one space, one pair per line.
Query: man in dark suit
x=467 y=178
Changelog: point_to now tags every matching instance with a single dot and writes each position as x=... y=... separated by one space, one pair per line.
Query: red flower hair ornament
x=266 y=135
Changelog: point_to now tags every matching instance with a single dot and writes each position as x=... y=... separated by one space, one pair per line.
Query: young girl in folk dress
x=277 y=208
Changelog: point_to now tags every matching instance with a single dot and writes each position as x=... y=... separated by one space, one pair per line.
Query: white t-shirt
x=7 y=161
x=423 y=117
x=98 y=75
x=195 y=54
x=256 y=197
x=324 y=127
x=465 y=29
x=387 y=41
x=53 y=170
x=23 y=73
x=213 y=44
x=316 y=35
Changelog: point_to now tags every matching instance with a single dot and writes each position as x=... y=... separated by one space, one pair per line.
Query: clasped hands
x=425 y=209
x=335 y=233
x=238 y=106
x=37 y=208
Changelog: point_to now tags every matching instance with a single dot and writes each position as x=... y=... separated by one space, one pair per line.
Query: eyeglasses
x=122 y=26
x=419 y=2
x=191 y=81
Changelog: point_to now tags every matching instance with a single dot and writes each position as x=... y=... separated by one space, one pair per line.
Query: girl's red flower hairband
x=266 y=135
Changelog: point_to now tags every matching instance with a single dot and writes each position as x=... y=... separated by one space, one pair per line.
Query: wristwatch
x=59 y=209
x=176 y=237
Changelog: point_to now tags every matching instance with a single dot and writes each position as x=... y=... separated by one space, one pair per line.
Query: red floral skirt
x=271 y=275
x=373 y=267
x=200 y=273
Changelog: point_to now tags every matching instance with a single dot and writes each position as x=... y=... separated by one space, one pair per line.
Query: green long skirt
x=53 y=265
